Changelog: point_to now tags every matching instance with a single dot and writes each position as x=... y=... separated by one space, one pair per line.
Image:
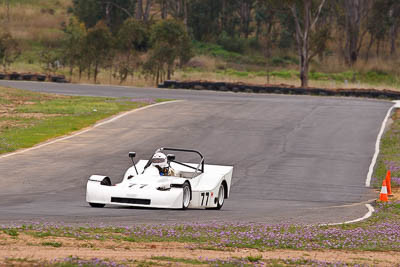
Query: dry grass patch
x=11 y=99
x=31 y=22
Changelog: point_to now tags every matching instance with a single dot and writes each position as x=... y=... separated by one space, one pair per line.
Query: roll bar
x=200 y=166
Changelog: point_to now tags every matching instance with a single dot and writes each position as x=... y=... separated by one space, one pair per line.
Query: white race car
x=185 y=185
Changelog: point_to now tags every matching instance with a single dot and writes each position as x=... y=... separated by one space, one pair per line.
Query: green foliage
x=283 y=61
x=172 y=259
x=170 y=42
x=232 y=44
x=218 y=51
x=11 y=232
x=133 y=35
x=88 y=11
x=114 y=12
x=99 y=45
x=74 y=45
x=50 y=59
x=256 y=258
x=52 y=244
x=203 y=20
x=132 y=39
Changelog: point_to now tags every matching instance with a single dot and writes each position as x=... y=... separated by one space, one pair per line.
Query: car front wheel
x=186 y=195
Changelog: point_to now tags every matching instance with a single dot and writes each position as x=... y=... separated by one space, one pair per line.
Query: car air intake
x=124 y=200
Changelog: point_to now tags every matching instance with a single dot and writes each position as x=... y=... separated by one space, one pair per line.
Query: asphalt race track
x=296 y=158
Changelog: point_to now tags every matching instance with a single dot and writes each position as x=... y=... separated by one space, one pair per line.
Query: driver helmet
x=159 y=159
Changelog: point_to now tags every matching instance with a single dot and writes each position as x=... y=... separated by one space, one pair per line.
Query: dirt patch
x=12 y=99
x=28 y=115
x=26 y=246
x=396 y=194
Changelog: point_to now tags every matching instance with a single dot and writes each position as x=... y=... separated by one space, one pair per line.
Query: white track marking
x=366 y=216
x=378 y=143
x=86 y=130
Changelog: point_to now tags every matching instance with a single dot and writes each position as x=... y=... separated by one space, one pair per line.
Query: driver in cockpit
x=160 y=161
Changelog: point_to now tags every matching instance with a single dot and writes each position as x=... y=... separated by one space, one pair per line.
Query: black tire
x=221 y=197
x=106 y=181
x=96 y=205
x=187 y=195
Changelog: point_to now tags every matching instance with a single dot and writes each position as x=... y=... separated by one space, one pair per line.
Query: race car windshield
x=157 y=160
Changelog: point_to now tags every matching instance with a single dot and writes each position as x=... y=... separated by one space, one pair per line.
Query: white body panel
x=141 y=190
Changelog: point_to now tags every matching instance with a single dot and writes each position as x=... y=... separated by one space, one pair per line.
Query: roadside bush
x=254 y=44
x=283 y=61
x=376 y=76
x=232 y=44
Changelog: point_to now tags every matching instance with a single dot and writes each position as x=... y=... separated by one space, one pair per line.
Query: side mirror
x=170 y=157
x=132 y=154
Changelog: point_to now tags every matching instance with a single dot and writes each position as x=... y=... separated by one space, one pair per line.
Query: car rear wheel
x=221 y=197
x=186 y=195
x=96 y=205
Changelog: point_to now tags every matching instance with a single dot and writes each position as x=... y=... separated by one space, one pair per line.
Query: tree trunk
x=96 y=71
x=378 y=47
x=139 y=10
x=71 y=71
x=354 y=11
x=371 y=42
x=158 y=75
x=164 y=9
x=304 y=72
x=108 y=15
x=8 y=11
x=303 y=36
x=185 y=13
x=146 y=14
x=393 y=38
x=245 y=17
x=89 y=71
x=223 y=16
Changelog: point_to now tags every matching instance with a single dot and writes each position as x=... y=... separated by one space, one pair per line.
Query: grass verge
x=380 y=233
x=28 y=118
x=375 y=242
x=389 y=157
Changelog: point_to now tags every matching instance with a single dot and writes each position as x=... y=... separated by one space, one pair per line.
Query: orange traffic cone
x=384 y=196
x=389 y=187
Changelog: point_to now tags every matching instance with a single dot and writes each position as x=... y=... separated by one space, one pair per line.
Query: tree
x=245 y=14
x=50 y=58
x=178 y=9
x=203 y=19
x=9 y=50
x=305 y=25
x=113 y=12
x=99 y=43
x=170 y=42
x=143 y=11
x=74 y=46
x=132 y=39
x=88 y=11
x=394 y=23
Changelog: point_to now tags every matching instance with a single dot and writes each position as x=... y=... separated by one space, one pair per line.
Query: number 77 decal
x=203 y=195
